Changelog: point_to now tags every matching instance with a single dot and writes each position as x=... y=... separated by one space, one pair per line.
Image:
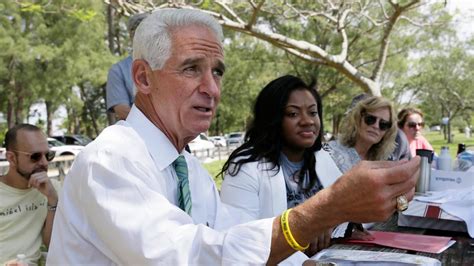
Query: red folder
x=424 y=243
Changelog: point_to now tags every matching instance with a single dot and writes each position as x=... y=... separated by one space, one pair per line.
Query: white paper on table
x=456 y=202
x=447 y=195
x=464 y=210
x=363 y=257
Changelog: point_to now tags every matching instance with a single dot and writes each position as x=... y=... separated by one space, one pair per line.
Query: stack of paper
x=362 y=257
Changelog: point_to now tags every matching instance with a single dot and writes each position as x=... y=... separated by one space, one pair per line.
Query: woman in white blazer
x=276 y=167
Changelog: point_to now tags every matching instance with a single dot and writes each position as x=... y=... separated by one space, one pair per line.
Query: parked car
x=63 y=149
x=201 y=143
x=74 y=139
x=219 y=141
x=235 y=138
x=435 y=128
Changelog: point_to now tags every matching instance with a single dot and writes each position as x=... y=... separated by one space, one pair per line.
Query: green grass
x=214 y=168
x=437 y=140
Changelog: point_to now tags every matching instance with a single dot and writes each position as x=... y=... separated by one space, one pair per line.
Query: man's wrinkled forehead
x=203 y=42
x=209 y=47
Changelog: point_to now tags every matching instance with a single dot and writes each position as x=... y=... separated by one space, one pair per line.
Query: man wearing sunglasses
x=28 y=198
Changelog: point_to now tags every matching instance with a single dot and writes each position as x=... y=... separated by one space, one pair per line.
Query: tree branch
x=336 y=14
x=255 y=12
x=230 y=11
x=385 y=42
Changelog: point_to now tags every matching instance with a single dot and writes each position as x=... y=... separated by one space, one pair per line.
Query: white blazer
x=261 y=193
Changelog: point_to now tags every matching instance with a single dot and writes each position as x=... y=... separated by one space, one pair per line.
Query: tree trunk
x=10 y=111
x=11 y=95
x=450 y=139
x=49 y=124
x=111 y=38
x=76 y=123
x=18 y=111
x=336 y=121
x=110 y=31
x=217 y=129
x=88 y=110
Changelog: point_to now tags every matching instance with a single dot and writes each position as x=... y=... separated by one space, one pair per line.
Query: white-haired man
x=130 y=199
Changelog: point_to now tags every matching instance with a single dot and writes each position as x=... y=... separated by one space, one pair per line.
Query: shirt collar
x=159 y=146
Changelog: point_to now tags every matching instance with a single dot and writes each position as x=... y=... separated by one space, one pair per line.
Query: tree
x=16 y=62
x=49 y=48
x=446 y=80
x=339 y=19
x=246 y=74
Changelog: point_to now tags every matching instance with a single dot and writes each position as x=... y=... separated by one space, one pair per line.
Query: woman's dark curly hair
x=264 y=139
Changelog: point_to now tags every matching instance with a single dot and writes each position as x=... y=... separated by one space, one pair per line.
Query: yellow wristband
x=285 y=227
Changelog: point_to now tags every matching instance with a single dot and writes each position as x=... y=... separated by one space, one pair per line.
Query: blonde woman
x=368 y=133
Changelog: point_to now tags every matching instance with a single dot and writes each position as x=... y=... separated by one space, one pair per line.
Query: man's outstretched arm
x=367 y=193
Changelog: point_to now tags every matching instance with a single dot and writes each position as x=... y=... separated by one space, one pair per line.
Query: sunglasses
x=414 y=124
x=383 y=124
x=36 y=156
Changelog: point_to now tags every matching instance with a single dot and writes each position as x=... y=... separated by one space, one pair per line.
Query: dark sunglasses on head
x=414 y=124
x=36 y=156
x=383 y=124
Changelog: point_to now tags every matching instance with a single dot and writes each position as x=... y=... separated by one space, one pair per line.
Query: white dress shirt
x=119 y=206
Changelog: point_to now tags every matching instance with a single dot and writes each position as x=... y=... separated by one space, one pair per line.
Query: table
x=461 y=253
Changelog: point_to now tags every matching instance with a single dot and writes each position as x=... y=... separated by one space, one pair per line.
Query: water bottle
x=444 y=159
x=464 y=161
x=423 y=182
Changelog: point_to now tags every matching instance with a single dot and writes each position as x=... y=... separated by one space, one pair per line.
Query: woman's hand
x=360 y=233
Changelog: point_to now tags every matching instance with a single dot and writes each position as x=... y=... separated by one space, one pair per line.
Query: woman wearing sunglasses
x=368 y=132
x=276 y=167
x=410 y=120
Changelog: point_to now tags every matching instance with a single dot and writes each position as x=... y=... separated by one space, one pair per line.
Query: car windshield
x=55 y=143
x=83 y=139
x=235 y=135
x=203 y=137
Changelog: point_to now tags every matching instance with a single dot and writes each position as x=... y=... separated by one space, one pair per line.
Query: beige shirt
x=22 y=216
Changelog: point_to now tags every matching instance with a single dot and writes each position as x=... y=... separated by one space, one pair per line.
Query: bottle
x=444 y=159
x=464 y=161
x=461 y=148
x=423 y=182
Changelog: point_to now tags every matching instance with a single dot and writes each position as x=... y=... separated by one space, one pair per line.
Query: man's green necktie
x=184 y=194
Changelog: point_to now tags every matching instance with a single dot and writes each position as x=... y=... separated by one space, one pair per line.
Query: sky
x=464 y=20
